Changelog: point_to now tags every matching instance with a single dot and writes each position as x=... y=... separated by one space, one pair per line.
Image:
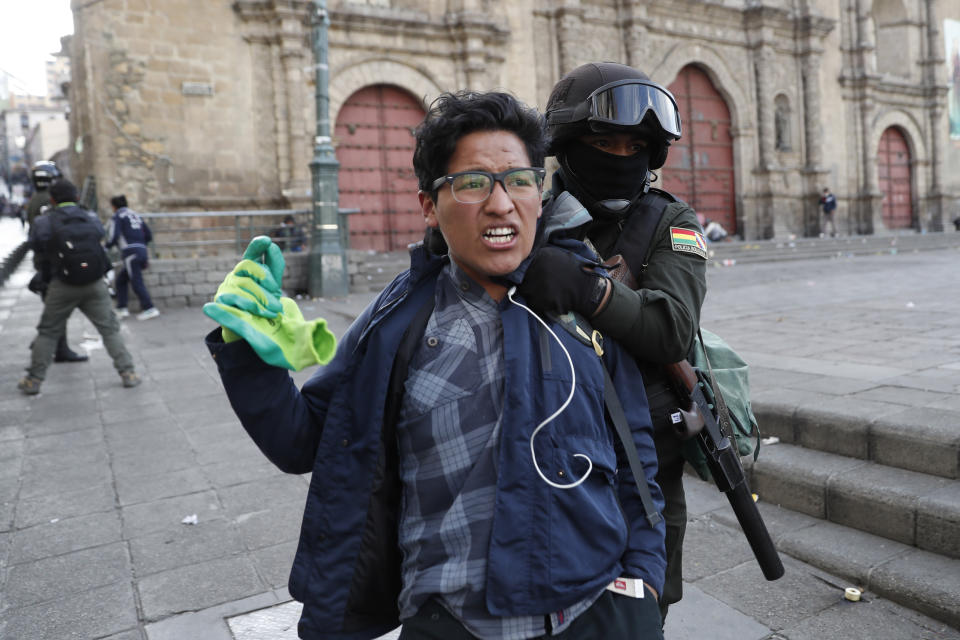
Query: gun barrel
x=755 y=531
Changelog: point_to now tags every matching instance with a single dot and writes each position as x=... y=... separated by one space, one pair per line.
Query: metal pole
x=328 y=272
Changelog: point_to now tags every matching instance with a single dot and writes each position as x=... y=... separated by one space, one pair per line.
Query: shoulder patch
x=688 y=241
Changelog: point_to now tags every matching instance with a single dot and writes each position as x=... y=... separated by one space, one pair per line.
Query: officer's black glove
x=558 y=281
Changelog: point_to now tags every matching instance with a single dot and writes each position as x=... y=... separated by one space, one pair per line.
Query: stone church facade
x=209 y=105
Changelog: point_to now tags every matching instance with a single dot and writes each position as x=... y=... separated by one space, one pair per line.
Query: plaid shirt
x=449 y=432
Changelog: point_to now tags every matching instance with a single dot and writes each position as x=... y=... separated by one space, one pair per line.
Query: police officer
x=42 y=174
x=610 y=126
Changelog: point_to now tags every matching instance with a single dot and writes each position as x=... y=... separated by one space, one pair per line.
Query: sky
x=30 y=31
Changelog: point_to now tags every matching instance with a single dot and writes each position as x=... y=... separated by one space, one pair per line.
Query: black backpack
x=74 y=248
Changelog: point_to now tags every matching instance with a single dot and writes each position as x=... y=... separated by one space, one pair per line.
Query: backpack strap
x=580 y=329
x=643 y=222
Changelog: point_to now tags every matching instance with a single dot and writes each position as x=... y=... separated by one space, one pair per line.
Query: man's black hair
x=454 y=115
x=118 y=202
x=63 y=190
x=290 y=219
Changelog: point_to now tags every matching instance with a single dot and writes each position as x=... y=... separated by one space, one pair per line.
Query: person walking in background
x=130 y=233
x=289 y=235
x=73 y=261
x=828 y=202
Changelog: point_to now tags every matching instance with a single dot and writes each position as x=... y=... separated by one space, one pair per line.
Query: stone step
x=918 y=579
x=925 y=440
x=722 y=253
x=912 y=508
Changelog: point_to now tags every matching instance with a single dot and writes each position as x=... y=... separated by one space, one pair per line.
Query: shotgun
x=698 y=420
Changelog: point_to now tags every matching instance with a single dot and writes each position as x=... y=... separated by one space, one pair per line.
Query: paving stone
x=65 y=479
x=184 y=545
x=709 y=548
x=274 y=563
x=139 y=488
x=778 y=604
x=166 y=513
x=59 y=576
x=43 y=508
x=847 y=619
x=702 y=497
x=10 y=431
x=92 y=614
x=263 y=494
x=271 y=524
x=69 y=441
x=64 y=536
x=12 y=452
x=198 y=586
x=231 y=472
x=242 y=449
x=78 y=421
x=154 y=461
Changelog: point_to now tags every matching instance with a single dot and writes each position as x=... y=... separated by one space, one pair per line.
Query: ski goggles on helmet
x=625 y=103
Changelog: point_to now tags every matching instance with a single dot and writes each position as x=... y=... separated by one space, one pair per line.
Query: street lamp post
x=328 y=273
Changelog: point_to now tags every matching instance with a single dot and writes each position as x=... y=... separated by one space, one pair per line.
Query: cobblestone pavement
x=96 y=480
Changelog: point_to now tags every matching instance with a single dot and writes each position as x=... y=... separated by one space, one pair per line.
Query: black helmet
x=605 y=96
x=43 y=173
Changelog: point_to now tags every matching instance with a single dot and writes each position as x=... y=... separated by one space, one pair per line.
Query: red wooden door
x=374 y=140
x=699 y=167
x=893 y=169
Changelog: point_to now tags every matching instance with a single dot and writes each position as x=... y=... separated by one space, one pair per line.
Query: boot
x=65 y=354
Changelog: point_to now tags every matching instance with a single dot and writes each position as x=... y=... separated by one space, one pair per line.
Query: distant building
x=212 y=105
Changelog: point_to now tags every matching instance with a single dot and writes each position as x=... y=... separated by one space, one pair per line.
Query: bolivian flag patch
x=688 y=241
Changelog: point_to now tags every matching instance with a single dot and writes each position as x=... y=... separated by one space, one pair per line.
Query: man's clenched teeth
x=500 y=235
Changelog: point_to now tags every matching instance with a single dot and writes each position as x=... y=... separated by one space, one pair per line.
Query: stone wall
x=191 y=282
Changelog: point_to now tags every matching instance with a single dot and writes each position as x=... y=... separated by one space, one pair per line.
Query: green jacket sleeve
x=657 y=322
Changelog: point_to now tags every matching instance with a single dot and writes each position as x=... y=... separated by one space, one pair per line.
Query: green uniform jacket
x=38 y=201
x=658 y=322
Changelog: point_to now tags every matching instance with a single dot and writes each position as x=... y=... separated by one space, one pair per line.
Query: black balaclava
x=607 y=184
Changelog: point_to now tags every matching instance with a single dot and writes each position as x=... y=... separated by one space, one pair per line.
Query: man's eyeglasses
x=472 y=187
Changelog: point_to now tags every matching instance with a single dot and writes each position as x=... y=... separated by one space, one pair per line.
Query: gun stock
x=698 y=420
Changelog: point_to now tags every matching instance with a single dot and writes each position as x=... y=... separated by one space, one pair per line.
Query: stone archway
x=700 y=167
x=374 y=135
x=894 y=179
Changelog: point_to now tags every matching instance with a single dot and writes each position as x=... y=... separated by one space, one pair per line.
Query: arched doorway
x=893 y=173
x=374 y=141
x=699 y=168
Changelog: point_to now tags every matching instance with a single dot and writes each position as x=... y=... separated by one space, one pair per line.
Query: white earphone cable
x=573 y=386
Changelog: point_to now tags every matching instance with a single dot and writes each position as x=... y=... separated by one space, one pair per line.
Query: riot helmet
x=607 y=96
x=43 y=173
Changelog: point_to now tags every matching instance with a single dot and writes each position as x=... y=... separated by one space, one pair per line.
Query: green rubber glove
x=249 y=306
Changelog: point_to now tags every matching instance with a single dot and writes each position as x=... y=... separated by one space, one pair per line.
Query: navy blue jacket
x=549 y=547
x=128 y=231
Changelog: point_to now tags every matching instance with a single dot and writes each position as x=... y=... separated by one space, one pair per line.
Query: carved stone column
x=636 y=36
x=569 y=19
x=813 y=30
x=934 y=200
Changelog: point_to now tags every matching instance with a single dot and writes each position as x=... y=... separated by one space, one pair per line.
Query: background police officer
x=610 y=125
x=42 y=174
